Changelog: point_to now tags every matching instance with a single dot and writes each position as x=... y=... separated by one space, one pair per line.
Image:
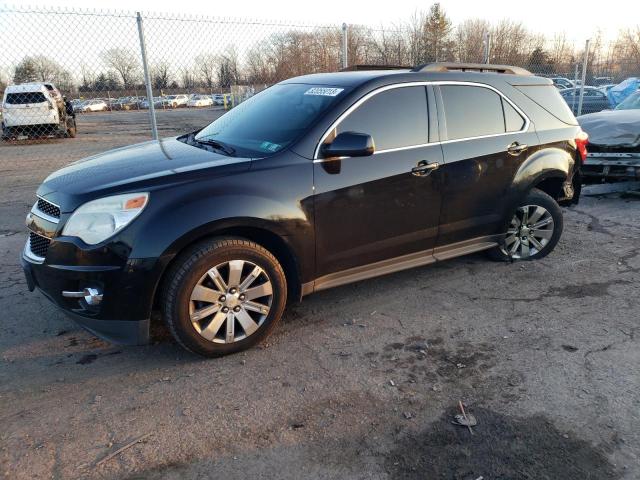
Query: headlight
x=98 y=220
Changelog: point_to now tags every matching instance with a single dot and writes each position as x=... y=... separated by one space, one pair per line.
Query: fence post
x=487 y=47
x=147 y=78
x=575 y=85
x=584 y=75
x=345 y=59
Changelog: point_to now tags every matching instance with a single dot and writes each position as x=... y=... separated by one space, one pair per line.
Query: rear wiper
x=223 y=147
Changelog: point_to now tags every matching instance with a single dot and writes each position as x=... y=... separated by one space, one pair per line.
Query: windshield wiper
x=218 y=145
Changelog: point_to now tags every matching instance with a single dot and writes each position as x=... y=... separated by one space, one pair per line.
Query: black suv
x=315 y=182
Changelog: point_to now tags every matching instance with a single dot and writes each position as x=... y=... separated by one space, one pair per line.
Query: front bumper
x=128 y=288
x=612 y=166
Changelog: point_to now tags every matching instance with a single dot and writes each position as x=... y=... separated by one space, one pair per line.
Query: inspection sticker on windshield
x=324 y=91
x=269 y=147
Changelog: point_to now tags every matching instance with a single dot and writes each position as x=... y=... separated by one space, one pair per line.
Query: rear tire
x=223 y=295
x=533 y=229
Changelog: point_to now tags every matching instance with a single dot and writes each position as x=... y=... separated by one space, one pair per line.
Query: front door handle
x=424 y=168
x=516 y=148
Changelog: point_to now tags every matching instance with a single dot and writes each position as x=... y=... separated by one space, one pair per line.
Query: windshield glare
x=271 y=120
x=632 y=102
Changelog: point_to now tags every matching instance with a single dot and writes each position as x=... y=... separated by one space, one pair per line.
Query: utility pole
x=585 y=63
x=147 y=78
x=345 y=59
x=486 y=42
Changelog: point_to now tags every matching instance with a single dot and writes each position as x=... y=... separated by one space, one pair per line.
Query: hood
x=612 y=127
x=142 y=166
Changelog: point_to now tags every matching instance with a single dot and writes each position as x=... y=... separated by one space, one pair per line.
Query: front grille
x=38 y=245
x=48 y=208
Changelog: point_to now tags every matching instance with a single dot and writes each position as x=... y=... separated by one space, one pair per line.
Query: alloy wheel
x=531 y=228
x=231 y=301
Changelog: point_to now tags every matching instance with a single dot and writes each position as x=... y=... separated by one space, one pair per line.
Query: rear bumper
x=29 y=118
x=122 y=317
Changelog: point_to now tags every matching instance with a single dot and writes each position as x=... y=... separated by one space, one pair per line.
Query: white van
x=35 y=109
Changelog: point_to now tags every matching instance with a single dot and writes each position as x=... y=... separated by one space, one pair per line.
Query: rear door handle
x=516 y=148
x=424 y=168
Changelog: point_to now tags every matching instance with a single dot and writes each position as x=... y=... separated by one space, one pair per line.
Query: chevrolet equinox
x=315 y=182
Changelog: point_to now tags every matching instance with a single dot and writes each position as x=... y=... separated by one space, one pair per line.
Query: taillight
x=582 y=140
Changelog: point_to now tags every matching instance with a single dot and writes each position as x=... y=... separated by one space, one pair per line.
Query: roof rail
x=472 y=67
x=358 y=68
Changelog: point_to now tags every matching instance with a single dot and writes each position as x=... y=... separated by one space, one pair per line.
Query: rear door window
x=471 y=111
x=25 y=98
x=394 y=118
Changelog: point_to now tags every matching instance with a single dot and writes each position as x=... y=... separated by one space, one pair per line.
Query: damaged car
x=614 y=142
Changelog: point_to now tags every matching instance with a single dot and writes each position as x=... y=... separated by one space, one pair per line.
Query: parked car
x=601 y=81
x=307 y=186
x=157 y=102
x=619 y=92
x=126 y=103
x=562 y=82
x=614 y=142
x=200 y=101
x=35 y=109
x=76 y=102
x=632 y=102
x=593 y=100
x=175 y=101
x=93 y=106
x=605 y=88
x=218 y=98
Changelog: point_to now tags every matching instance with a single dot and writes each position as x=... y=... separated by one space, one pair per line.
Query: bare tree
x=124 y=63
x=511 y=43
x=390 y=46
x=207 y=64
x=39 y=68
x=187 y=78
x=160 y=75
x=430 y=36
x=228 y=68
x=562 y=54
x=469 y=40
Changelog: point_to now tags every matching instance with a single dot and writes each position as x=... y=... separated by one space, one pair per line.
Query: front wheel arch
x=267 y=239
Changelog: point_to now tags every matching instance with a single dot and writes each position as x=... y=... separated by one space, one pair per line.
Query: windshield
x=632 y=102
x=271 y=120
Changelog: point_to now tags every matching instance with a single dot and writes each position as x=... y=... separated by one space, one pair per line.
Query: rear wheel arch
x=551 y=185
x=543 y=170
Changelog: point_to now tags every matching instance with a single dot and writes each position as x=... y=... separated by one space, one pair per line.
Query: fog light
x=92 y=296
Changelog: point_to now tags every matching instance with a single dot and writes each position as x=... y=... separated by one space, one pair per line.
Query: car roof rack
x=359 y=68
x=470 y=67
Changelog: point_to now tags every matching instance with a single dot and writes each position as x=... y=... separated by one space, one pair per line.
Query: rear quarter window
x=25 y=97
x=547 y=97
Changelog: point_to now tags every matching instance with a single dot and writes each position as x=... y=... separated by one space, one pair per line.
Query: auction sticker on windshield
x=324 y=91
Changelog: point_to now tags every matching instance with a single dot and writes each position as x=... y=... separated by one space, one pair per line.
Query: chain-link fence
x=115 y=78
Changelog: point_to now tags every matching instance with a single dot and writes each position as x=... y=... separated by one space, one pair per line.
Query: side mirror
x=349 y=144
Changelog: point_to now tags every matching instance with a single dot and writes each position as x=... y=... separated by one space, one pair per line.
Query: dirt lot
x=27 y=163
x=358 y=382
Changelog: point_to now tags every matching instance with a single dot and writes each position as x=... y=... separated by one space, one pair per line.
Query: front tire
x=533 y=231
x=223 y=296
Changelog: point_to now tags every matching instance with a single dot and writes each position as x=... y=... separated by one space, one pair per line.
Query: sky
x=580 y=19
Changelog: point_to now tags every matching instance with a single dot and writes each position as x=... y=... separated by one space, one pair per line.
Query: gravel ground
x=358 y=382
